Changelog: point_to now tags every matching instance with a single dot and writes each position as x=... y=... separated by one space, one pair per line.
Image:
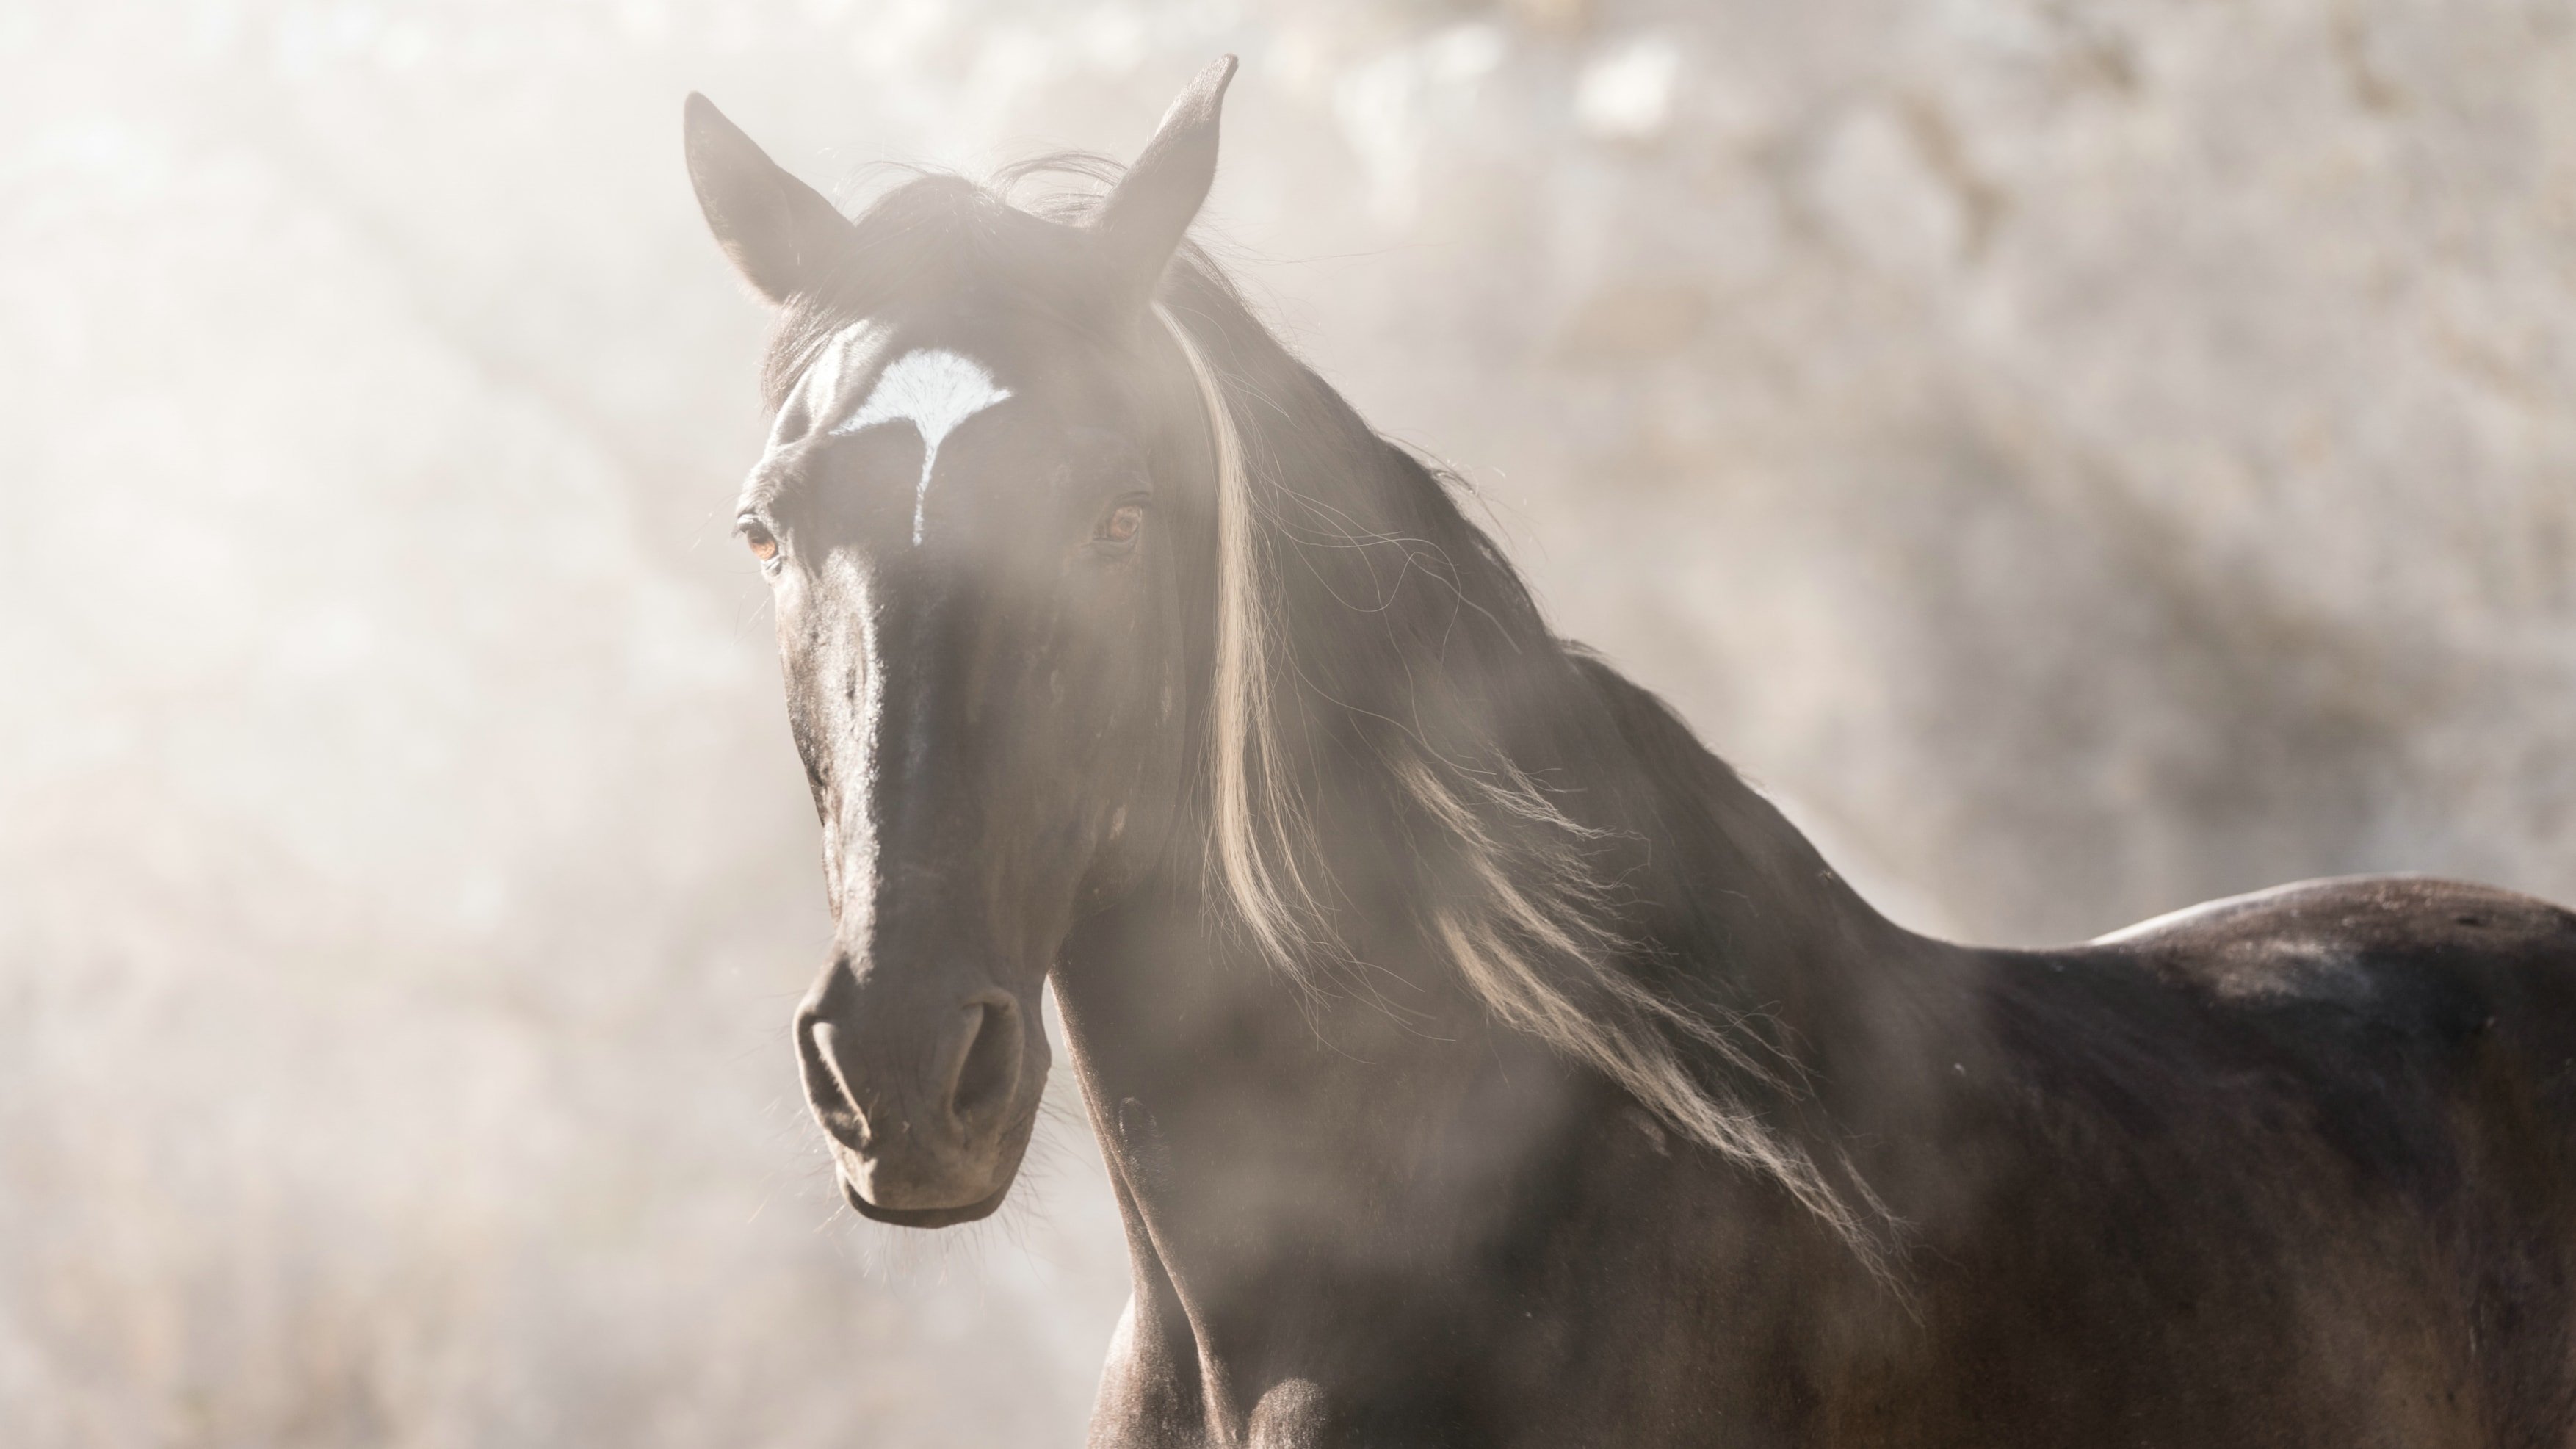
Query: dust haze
x=2081 y=461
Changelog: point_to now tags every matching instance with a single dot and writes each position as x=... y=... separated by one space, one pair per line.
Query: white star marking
x=934 y=390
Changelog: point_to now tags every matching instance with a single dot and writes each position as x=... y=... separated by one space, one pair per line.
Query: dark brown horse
x=1478 y=1060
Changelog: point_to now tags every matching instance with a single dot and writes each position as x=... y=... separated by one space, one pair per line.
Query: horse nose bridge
x=937 y=651
x=901 y=758
x=939 y=761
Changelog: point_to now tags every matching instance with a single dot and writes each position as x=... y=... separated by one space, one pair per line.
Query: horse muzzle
x=928 y=1096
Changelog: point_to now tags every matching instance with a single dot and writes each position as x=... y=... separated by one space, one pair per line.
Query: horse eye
x=1123 y=524
x=764 y=544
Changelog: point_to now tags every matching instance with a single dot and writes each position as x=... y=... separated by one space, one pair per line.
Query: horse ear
x=1150 y=209
x=779 y=231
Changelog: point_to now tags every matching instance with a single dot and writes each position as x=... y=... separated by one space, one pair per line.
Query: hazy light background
x=2086 y=458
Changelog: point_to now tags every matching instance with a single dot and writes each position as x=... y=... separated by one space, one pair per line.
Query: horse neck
x=1218 y=1080
x=1739 y=901
x=1277 y=1150
x=1733 y=914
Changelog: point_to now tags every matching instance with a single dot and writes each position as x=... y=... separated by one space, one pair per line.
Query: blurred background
x=2082 y=458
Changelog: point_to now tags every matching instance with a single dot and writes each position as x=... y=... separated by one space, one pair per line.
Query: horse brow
x=768 y=488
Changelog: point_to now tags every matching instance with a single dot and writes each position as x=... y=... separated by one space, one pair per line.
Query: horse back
x=2297 y=1167
x=2399 y=1000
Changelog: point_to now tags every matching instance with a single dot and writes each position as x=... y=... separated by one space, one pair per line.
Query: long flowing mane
x=1401 y=755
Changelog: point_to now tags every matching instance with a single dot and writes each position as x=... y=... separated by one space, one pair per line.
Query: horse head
x=972 y=518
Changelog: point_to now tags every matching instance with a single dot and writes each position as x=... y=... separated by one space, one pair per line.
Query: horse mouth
x=937 y=1217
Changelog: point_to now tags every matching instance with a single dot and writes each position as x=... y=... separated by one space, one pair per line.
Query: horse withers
x=1477 y=1060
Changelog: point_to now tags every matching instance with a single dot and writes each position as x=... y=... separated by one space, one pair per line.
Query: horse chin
x=938 y=1217
x=1003 y=1170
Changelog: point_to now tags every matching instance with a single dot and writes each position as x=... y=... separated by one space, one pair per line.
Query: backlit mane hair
x=1394 y=734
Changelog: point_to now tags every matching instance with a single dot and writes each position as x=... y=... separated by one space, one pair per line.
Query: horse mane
x=1395 y=734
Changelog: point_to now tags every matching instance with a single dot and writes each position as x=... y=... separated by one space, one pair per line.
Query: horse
x=1477 y=1059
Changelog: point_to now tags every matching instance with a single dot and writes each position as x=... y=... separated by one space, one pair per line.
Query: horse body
x=1478 y=1060
x=2288 y=1170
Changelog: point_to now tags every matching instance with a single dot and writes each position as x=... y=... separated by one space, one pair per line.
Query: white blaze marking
x=934 y=390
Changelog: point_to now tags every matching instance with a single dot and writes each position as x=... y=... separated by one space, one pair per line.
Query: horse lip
x=849 y=1168
x=940 y=1217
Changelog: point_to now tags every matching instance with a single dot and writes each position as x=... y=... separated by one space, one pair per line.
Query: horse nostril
x=991 y=1066
x=827 y=1084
